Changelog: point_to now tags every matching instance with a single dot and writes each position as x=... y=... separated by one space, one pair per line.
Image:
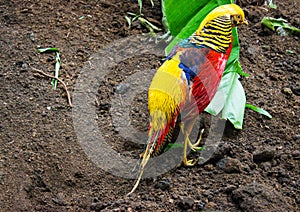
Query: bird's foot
x=194 y=146
x=192 y=162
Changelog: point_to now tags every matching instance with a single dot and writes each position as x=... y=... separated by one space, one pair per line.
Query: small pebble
x=122 y=88
x=32 y=37
x=229 y=189
x=163 y=185
x=186 y=203
x=59 y=199
x=200 y=205
x=266 y=166
x=296 y=137
x=287 y=91
x=97 y=206
x=296 y=90
x=211 y=205
x=296 y=154
x=263 y=156
x=230 y=165
x=209 y=167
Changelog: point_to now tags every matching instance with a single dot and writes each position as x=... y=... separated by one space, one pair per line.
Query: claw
x=194 y=146
x=192 y=162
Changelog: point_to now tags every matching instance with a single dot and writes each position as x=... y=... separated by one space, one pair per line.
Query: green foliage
x=271 y=5
x=183 y=18
x=230 y=99
x=140 y=2
x=231 y=110
x=51 y=49
x=271 y=23
x=258 y=110
x=140 y=17
x=57 y=64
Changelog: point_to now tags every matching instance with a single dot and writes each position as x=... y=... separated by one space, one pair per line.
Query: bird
x=186 y=82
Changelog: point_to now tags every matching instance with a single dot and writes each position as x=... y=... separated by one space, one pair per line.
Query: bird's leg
x=186 y=133
x=187 y=130
x=185 y=161
x=195 y=145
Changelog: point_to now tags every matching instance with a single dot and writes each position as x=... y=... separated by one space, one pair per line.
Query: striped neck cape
x=215 y=35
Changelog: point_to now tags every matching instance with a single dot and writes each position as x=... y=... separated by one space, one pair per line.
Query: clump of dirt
x=44 y=168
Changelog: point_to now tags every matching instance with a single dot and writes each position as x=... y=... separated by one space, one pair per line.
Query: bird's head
x=235 y=13
x=238 y=19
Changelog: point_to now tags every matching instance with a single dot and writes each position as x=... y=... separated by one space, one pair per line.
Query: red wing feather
x=208 y=65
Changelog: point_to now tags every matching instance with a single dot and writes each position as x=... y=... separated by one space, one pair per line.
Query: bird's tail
x=151 y=144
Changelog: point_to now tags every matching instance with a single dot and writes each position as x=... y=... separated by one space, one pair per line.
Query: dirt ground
x=44 y=168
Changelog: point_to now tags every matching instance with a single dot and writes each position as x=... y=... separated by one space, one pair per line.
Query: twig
x=62 y=82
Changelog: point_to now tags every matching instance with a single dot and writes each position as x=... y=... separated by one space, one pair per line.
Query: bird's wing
x=204 y=67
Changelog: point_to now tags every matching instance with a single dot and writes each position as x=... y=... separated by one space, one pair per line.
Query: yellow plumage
x=167 y=91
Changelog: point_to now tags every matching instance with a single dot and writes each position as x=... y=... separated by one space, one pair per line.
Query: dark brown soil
x=44 y=168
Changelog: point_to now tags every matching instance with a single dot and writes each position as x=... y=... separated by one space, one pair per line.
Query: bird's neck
x=215 y=35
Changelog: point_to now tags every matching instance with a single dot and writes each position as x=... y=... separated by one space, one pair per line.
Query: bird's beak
x=245 y=22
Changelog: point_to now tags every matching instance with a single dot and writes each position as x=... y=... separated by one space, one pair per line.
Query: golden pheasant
x=187 y=81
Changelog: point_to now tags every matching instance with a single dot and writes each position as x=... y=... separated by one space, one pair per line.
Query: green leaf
x=57 y=64
x=290 y=51
x=128 y=21
x=271 y=5
x=271 y=23
x=164 y=18
x=188 y=13
x=235 y=52
x=234 y=66
x=230 y=98
x=258 y=110
x=133 y=14
x=51 y=49
x=140 y=2
x=152 y=3
x=148 y=24
x=234 y=107
x=56 y=71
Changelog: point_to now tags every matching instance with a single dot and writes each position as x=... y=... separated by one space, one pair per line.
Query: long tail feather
x=151 y=143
